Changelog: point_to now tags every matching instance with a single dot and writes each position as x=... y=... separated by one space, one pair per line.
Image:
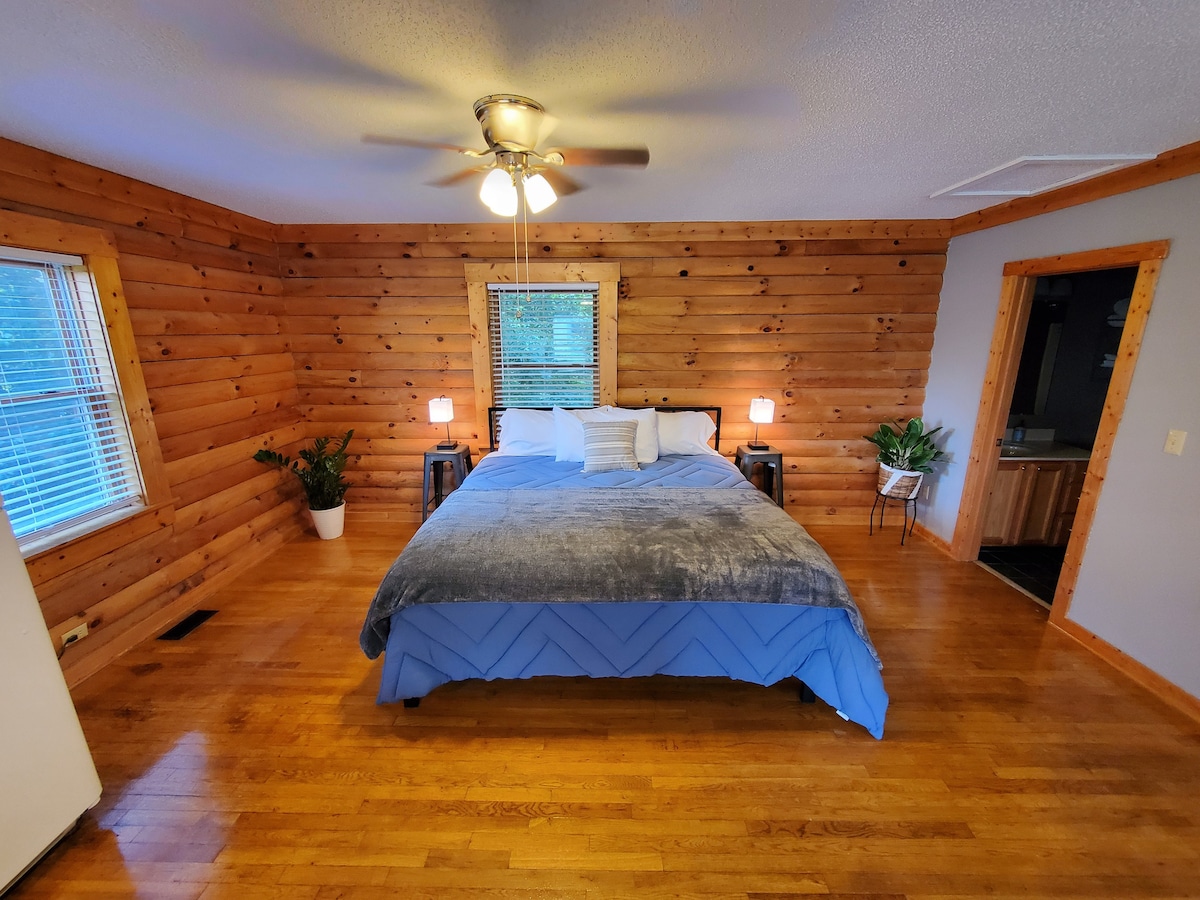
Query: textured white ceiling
x=752 y=110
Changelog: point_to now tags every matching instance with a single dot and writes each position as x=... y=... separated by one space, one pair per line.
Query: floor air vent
x=188 y=625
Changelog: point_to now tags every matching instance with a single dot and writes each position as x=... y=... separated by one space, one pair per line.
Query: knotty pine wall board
x=203 y=290
x=252 y=334
x=833 y=320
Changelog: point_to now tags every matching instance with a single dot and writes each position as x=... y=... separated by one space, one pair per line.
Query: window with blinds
x=544 y=341
x=69 y=463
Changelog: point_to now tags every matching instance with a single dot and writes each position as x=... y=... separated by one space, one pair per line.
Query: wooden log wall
x=203 y=291
x=832 y=320
x=252 y=334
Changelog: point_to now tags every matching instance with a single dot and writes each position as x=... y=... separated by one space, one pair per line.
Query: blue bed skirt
x=430 y=645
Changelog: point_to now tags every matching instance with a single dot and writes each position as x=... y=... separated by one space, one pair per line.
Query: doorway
x=1066 y=361
x=1016 y=301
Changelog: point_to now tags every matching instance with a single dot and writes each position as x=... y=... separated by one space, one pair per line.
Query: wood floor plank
x=249 y=760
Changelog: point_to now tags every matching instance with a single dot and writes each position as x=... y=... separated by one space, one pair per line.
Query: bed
x=542 y=564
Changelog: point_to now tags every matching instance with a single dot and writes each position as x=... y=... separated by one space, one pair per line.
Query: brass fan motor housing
x=509 y=122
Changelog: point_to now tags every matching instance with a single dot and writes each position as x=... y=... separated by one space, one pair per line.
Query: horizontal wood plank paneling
x=203 y=291
x=450 y=266
x=29 y=162
x=570 y=233
x=833 y=320
x=251 y=334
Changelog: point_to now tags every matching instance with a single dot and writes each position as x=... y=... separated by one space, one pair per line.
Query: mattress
x=533 y=568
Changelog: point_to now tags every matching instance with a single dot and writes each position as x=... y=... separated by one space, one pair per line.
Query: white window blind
x=69 y=458
x=544 y=342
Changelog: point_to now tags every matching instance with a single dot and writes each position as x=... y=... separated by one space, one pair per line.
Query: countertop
x=1045 y=450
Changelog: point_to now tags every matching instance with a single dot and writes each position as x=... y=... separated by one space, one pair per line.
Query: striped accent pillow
x=610 y=446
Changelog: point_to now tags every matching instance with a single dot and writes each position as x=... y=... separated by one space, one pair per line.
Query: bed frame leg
x=806 y=694
x=412 y=702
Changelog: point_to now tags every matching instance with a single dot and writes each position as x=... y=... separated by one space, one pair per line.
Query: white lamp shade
x=538 y=193
x=499 y=193
x=762 y=411
x=441 y=409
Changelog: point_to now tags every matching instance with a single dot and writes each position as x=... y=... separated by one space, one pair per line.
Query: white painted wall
x=1139 y=586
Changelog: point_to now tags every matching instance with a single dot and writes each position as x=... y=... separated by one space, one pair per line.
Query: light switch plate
x=1174 y=442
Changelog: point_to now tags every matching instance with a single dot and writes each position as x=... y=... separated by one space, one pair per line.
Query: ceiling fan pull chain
x=525 y=217
x=516 y=257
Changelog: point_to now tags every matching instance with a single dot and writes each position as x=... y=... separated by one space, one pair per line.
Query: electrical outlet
x=78 y=633
x=1174 y=442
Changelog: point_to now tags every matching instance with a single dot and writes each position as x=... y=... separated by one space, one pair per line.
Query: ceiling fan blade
x=256 y=41
x=424 y=145
x=561 y=183
x=549 y=123
x=457 y=177
x=602 y=156
x=713 y=102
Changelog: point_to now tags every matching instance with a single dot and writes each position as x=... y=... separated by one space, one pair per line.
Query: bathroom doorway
x=1018 y=286
x=1067 y=356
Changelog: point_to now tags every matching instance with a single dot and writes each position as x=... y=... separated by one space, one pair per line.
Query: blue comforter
x=648 y=574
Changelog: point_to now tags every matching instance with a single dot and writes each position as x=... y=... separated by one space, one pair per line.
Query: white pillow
x=608 y=446
x=685 y=433
x=527 y=432
x=647 y=429
x=568 y=432
x=568 y=429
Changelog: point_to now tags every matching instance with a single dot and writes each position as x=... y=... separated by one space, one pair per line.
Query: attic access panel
x=1029 y=175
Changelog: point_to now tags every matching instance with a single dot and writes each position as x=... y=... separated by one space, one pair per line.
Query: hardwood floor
x=249 y=760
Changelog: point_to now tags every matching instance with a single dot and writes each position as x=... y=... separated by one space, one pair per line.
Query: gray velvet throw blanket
x=593 y=545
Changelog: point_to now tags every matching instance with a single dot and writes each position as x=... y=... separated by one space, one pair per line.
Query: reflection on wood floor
x=249 y=760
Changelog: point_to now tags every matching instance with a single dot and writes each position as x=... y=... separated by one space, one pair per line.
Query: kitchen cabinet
x=999 y=515
x=1072 y=488
x=1032 y=501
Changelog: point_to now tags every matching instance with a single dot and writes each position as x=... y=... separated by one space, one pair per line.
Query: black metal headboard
x=714 y=411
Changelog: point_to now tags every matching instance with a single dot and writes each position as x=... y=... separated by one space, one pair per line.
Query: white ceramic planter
x=329 y=522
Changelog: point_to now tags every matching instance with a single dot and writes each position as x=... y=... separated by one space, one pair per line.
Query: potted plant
x=324 y=486
x=906 y=455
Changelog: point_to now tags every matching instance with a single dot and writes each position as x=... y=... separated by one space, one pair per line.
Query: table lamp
x=762 y=412
x=441 y=409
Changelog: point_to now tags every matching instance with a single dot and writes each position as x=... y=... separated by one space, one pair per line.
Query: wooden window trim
x=99 y=251
x=478 y=275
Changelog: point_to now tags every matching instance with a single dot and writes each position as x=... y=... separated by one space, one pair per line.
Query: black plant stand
x=885 y=498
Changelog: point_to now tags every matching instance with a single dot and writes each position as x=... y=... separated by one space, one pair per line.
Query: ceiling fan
x=511 y=125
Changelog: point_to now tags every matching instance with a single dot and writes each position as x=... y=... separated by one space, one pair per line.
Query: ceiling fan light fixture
x=512 y=126
x=538 y=192
x=499 y=194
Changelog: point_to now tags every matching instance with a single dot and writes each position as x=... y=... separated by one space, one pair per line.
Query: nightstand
x=459 y=458
x=771 y=461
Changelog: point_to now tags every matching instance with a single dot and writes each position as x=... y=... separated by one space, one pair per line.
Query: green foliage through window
x=62 y=426
x=544 y=344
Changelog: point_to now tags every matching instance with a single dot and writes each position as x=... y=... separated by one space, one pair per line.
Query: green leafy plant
x=323 y=483
x=909 y=448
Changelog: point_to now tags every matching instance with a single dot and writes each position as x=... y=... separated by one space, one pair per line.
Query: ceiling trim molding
x=1167 y=166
